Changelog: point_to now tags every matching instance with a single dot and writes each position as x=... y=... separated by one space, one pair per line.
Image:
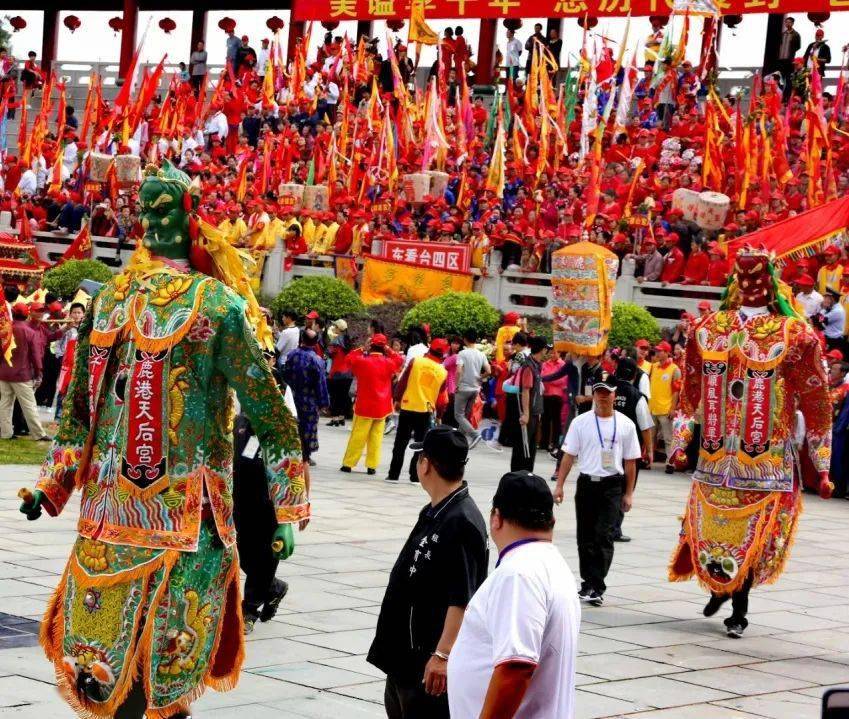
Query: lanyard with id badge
x=608 y=460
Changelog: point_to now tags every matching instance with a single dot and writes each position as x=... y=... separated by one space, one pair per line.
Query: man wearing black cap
x=442 y=564
x=516 y=653
x=604 y=443
x=634 y=405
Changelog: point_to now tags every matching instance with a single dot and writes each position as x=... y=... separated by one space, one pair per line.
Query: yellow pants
x=366 y=433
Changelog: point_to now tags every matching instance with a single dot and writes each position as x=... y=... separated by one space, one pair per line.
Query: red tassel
x=199 y=258
x=187 y=202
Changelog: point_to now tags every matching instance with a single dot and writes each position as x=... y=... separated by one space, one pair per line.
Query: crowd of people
x=351 y=119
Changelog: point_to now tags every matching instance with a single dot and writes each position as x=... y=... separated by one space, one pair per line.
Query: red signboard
x=400 y=9
x=433 y=255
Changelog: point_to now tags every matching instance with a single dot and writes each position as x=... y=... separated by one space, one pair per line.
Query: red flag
x=80 y=248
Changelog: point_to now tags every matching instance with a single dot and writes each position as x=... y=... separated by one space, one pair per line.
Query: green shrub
x=389 y=314
x=539 y=326
x=65 y=279
x=631 y=323
x=453 y=313
x=331 y=298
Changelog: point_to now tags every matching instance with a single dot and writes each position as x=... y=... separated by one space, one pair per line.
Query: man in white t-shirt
x=605 y=446
x=289 y=338
x=516 y=652
x=472 y=367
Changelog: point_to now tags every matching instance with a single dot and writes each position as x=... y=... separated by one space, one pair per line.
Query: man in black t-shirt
x=440 y=567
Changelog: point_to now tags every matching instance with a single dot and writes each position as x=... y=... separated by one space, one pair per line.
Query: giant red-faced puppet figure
x=749 y=368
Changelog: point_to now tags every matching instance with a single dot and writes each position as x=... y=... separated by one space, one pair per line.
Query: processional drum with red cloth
x=712 y=211
x=294 y=190
x=416 y=187
x=99 y=166
x=316 y=197
x=128 y=170
x=687 y=201
x=438 y=183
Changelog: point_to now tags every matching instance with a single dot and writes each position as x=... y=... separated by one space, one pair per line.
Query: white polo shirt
x=527 y=610
x=617 y=433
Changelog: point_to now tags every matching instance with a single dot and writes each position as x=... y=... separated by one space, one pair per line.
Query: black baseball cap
x=524 y=498
x=447 y=445
x=606 y=381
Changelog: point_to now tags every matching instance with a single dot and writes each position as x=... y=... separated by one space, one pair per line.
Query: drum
x=712 y=210
x=290 y=189
x=687 y=201
x=316 y=197
x=128 y=170
x=438 y=183
x=99 y=166
x=416 y=187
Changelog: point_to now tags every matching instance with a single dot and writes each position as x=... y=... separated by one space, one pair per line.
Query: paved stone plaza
x=647 y=653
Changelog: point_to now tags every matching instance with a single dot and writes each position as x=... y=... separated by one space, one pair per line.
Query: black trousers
x=785 y=67
x=339 y=389
x=256 y=522
x=617 y=531
x=597 y=507
x=551 y=427
x=404 y=701
x=519 y=459
x=411 y=425
x=739 y=604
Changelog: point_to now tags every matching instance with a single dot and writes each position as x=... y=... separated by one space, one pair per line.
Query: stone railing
x=528 y=293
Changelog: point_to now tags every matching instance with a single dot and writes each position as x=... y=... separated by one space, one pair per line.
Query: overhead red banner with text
x=400 y=9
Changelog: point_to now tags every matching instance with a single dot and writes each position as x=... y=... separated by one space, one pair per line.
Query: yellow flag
x=420 y=31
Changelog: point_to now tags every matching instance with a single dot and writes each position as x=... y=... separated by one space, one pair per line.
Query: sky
x=94 y=41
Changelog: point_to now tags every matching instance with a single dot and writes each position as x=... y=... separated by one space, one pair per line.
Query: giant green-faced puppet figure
x=148 y=610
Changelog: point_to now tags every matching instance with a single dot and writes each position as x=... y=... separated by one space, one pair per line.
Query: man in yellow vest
x=831 y=273
x=665 y=380
x=233 y=226
x=421 y=393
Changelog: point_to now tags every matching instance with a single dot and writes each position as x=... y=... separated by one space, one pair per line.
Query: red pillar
x=128 y=37
x=707 y=58
x=49 y=39
x=297 y=28
x=486 y=52
x=198 y=29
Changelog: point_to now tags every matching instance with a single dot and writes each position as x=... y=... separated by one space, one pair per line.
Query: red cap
x=511 y=318
x=832 y=250
x=642 y=343
x=704 y=305
x=672 y=238
x=439 y=346
x=20 y=309
x=313 y=315
x=663 y=347
x=805 y=281
x=378 y=340
x=835 y=355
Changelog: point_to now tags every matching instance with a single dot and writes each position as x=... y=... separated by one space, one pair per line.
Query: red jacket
x=673 y=266
x=696 y=269
x=374 y=373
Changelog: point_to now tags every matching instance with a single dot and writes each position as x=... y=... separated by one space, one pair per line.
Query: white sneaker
x=495 y=445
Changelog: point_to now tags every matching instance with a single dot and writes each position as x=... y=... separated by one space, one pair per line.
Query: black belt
x=598 y=477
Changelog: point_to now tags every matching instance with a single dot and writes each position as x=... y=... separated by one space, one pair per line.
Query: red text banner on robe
x=801 y=235
x=434 y=255
x=400 y=9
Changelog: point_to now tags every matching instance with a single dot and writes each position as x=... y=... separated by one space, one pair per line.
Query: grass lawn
x=22 y=451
